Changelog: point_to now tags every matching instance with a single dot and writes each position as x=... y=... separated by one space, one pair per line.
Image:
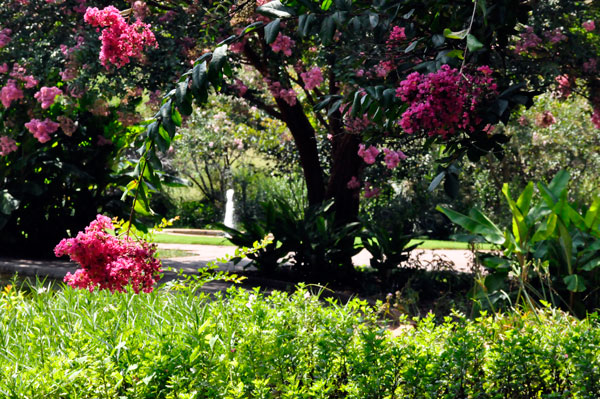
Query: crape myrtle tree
x=71 y=99
x=374 y=79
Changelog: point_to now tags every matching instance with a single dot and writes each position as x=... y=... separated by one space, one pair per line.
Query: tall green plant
x=551 y=250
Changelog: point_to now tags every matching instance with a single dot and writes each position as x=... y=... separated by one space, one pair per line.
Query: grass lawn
x=210 y=240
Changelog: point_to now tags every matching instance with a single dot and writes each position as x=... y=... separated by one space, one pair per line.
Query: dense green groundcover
x=76 y=344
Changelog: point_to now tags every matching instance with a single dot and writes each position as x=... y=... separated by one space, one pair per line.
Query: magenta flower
x=47 y=95
x=284 y=44
x=589 y=25
x=109 y=262
x=7 y=145
x=313 y=78
x=353 y=183
x=41 y=130
x=368 y=154
x=10 y=92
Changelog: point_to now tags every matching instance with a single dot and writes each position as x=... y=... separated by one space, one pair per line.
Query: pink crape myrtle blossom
x=10 y=93
x=384 y=68
x=565 y=86
x=240 y=87
x=19 y=72
x=590 y=66
x=284 y=44
x=353 y=183
x=392 y=158
x=312 y=78
x=444 y=102
x=371 y=191
x=41 y=130
x=545 y=119
x=5 y=37
x=47 y=95
x=140 y=10
x=368 y=154
x=4 y=68
x=555 y=36
x=120 y=41
x=596 y=117
x=527 y=41
x=7 y=145
x=396 y=36
x=288 y=95
x=109 y=262
x=590 y=26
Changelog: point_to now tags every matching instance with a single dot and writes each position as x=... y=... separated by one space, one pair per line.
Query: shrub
x=176 y=344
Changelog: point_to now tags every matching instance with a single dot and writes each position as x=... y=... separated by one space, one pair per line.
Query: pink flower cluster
x=240 y=87
x=528 y=40
x=120 y=41
x=384 y=68
x=566 y=84
x=590 y=66
x=396 y=35
x=284 y=44
x=41 y=129
x=596 y=117
x=7 y=145
x=392 y=158
x=555 y=36
x=443 y=102
x=368 y=154
x=312 y=78
x=47 y=95
x=19 y=72
x=371 y=191
x=5 y=37
x=288 y=95
x=353 y=183
x=109 y=262
x=590 y=26
x=10 y=92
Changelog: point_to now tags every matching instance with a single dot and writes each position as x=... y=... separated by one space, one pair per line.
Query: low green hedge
x=175 y=344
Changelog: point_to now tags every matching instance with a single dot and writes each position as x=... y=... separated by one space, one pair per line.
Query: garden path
x=459 y=260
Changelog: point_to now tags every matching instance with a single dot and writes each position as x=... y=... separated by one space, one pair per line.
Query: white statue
x=228 y=221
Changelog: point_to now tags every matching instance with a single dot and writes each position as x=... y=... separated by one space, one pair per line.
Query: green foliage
x=311 y=240
x=179 y=344
x=549 y=239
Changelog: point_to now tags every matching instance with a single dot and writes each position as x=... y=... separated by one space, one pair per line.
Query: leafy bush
x=177 y=344
x=552 y=249
x=194 y=214
x=314 y=244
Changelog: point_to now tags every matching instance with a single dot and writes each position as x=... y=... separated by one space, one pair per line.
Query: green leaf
x=436 y=181
x=8 y=203
x=411 y=46
x=438 y=40
x=166 y=118
x=216 y=65
x=272 y=30
x=591 y=265
x=334 y=107
x=250 y=28
x=163 y=140
x=305 y=22
x=176 y=117
x=181 y=90
x=473 y=44
x=326 y=5
x=460 y=35
x=327 y=30
x=199 y=77
x=524 y=200
x=476 y=223
x=575 y=283
x=546 y=229
x=373 y=20
x=592 y=216
x=276 y=10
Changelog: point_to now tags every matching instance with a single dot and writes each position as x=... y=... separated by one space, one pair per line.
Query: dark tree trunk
x=345 y=164
x=306 y=143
